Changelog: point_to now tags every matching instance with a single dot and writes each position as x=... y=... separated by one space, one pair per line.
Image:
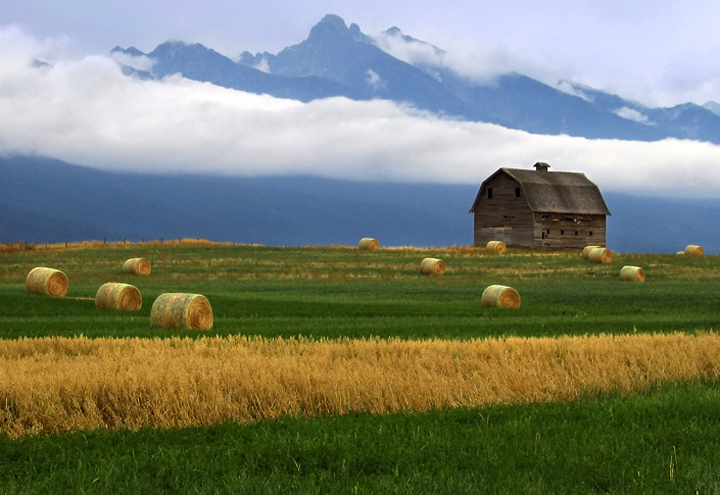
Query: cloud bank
x=85 y=111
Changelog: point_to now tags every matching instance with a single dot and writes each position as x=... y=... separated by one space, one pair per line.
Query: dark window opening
x=489 y=193
x=562 y=232
x=591 y=233
x=517 y=192
x=576 y=232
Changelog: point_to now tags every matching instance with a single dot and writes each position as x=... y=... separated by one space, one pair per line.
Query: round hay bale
x=693 y=250
x=182 y=311
x=47 y=281
x=600 y=255
x=138 y=266
x=497 y=246
x=432 y=266
x=368 y=244
x=500 y=296
x=632 y=274
x=586 y=251
x=118 y=296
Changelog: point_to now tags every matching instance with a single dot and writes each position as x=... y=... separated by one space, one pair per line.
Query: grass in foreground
x=664 y=440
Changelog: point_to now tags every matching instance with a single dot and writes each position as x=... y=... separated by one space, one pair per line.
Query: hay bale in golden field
x=632 y=274
x=600 y=255
x=497 y=246
x=586 y=251
x=47 y=281
x=432 y=266
x=138 y=266
x=693 y=250
x=500 y=296
x=182 y=311
x=118 y=296
x=368 y=244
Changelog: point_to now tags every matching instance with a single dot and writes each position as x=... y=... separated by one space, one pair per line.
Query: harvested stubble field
x=616 y=378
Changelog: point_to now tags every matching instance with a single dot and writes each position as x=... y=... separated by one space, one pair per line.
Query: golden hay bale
x=138 y=266
x=586 y=251
x=47 y=281
x=693 y=250
x=118 y=296
x=500 y=296
x=600 y=255
x=632 y=274
x=368 y=244
x=497 y=246
x=176 y=310
x=432 y=266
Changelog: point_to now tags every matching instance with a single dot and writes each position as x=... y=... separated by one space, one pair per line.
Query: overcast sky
x=83 y=110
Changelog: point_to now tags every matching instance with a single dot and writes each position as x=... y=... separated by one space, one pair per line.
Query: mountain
x=46 y=200
x=79 y=203
x=337 y=60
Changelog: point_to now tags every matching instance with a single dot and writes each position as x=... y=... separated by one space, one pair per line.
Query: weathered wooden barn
x=539 y=208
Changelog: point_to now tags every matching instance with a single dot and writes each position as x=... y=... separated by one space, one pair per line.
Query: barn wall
x=505 y=216
x=569 y=231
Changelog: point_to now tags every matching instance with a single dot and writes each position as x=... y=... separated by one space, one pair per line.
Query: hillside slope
x=46 y=200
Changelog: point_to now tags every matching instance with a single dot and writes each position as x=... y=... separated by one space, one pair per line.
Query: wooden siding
x=555 y=230
x=505 y=216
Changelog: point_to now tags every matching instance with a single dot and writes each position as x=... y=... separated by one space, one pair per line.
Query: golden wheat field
x=60 y=384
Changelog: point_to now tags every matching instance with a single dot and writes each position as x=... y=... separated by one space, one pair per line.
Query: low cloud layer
x=85 y=111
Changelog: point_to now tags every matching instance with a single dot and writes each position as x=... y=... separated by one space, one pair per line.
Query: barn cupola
x=541 y=167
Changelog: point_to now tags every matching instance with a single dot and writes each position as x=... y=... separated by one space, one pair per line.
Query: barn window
x=591 y=233
x=562 y=232
x=517 y=192
x=576 y=232
x=489 y=193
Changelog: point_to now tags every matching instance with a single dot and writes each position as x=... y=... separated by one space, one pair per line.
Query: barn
x=539 y=208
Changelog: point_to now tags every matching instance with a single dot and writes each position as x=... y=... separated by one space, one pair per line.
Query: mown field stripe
x=63 y=384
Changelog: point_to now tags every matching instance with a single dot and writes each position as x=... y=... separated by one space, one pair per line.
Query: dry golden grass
x=95 y=244
x=58 y=384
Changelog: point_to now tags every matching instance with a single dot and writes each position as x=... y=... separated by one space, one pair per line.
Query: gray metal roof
x=556 y=192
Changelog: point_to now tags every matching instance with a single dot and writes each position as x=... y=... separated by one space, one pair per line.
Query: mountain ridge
x=340 y=60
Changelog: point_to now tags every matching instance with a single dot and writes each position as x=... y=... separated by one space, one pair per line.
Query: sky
x=81 y=109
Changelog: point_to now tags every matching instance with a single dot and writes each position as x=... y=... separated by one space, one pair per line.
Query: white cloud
x=87 y=112
x=141 y=63
x=373 y=79
x=632 y=114
x=262 y=65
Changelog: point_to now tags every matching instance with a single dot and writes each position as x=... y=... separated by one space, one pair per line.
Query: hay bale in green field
x=118 y=296
x=632 y=274
x=432 y=266
x=181 y=311
x=138 y=266
x=693 y=250
x=500 y=296
x=497 y=246
x=586 y=251
x=600 y=255
x=47 y=281
x=368 y=244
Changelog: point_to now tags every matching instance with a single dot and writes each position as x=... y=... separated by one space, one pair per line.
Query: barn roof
x=555 y=192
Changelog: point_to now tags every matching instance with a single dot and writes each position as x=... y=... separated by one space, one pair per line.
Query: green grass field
x=662 y=440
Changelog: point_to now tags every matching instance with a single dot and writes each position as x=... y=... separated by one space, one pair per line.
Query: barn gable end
x=538 y=208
